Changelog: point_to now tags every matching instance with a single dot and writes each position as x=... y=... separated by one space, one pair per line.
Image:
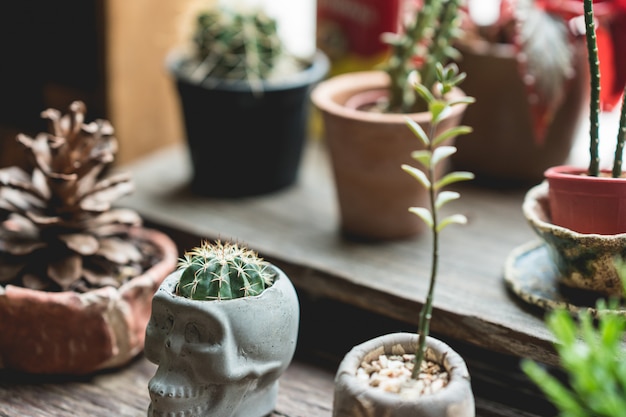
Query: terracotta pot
x=501 y=149
x=242 y=142
x=79 y=333
x=584 y=261
x=367 y=150
x=354 y=397
x=228 y=353
x=587 y=204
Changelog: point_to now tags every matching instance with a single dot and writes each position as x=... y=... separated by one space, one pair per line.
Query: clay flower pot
x=501 y=148
x=354 y=397
x=220 y=357
x=366 y=150
x=585 y=261
x=79 y=333
x=587 y=204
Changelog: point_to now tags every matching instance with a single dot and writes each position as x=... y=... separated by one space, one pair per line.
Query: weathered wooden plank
x=297 y=229
x=305 y=391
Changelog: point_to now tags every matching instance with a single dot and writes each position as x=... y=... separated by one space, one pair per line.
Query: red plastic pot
x=587 y=204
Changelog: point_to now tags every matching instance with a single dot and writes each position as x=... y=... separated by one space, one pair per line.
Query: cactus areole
x=223 y=271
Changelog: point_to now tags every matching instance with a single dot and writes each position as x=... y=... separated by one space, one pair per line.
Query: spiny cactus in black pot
x=235 y=67
x=223 y=271
x=237 y=45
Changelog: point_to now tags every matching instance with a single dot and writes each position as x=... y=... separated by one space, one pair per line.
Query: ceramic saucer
x=532 y=275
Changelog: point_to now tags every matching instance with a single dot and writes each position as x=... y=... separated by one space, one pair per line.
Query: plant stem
x=426 y=314
x=594 y=104
x=621 y=136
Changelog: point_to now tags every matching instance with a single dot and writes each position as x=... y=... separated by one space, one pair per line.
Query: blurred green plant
x=433 y=154
x=592 y=355
x=424 y=40
x=233 y=44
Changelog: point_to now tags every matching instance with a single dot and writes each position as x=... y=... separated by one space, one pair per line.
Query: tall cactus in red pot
x=589 y=201
x=580 y=213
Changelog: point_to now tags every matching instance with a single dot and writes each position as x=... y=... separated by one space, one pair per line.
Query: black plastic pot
x=246 y=142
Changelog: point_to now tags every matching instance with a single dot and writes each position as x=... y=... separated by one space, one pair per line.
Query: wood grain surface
x=298 y=230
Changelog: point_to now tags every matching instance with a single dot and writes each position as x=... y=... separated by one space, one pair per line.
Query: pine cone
x=58 y=230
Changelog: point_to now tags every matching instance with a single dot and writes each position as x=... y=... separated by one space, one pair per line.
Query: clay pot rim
x=148 y=279
x=539 y=193
x=457 y=368
x=325 y=97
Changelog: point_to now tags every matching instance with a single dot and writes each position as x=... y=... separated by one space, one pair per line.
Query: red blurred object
x=611 y=38
x=586 y=204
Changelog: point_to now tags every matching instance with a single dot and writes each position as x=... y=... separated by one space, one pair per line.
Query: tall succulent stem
x=433 y=153
x=594 y=104
x=427 y=309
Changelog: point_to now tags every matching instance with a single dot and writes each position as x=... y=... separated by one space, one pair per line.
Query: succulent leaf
x=424 y=214
x=451 y=133
x=452 y=178
x=454 y=219
x=417 y=131
x=441 y=153
x=439 y=110
x=445 y=197
x=418 y=174
x=424 y=157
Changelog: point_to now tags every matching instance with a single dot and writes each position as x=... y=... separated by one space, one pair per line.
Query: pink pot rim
x=568 y=172
x=572 y=179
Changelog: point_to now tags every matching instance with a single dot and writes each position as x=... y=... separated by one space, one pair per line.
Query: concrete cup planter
x=354 y=397
x=220 y=357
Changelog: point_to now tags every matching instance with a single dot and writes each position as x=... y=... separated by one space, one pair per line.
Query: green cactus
x=422 y=43
x=594 y=102
x=222 y=271
x=236 y=45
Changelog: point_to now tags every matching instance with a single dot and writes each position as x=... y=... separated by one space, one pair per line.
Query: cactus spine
x=222 y=271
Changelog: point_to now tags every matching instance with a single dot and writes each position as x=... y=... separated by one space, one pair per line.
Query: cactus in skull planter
x=223 y=271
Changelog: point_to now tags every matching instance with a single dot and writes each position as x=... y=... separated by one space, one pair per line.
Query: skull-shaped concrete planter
x=220 y=358
x=355 y=397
